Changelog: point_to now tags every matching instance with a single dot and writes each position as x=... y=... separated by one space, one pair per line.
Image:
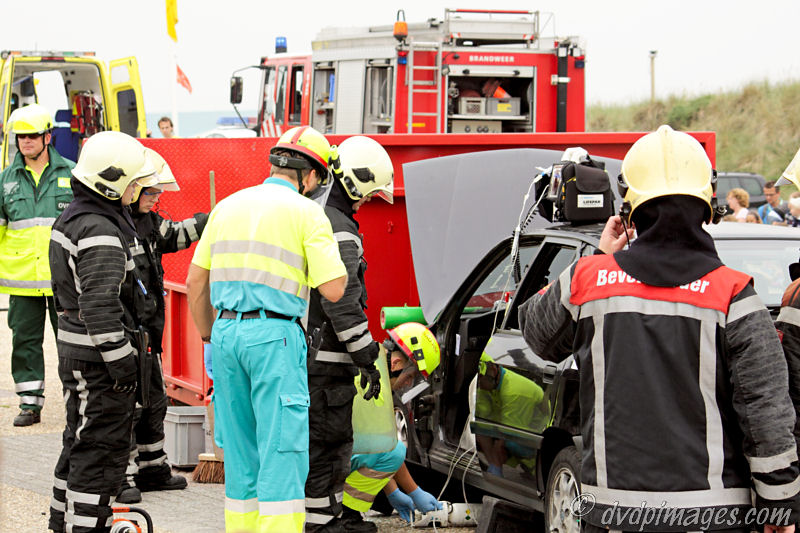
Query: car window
x=724 y=185
x=548 y=265
x=766 y=260
x=499 y=285
x=752 y=186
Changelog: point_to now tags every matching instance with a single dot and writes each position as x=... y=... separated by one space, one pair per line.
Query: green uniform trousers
x=26 y=320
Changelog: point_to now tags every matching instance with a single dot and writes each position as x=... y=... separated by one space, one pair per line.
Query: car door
x=127 y=105
x=515 y=391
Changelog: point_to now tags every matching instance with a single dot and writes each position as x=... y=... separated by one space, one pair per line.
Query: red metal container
x=240 y=163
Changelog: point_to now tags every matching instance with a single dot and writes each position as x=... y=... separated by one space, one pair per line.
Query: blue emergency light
x=280 y=45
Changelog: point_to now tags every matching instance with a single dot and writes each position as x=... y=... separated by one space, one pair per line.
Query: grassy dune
x=757 y=127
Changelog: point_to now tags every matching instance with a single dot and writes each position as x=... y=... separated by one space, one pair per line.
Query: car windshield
x=766 y=260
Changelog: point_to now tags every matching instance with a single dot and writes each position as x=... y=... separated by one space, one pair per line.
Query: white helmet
x=365 y=168
x=110 y=161
x=166 y=179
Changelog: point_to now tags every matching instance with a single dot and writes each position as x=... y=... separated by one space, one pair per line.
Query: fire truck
x=474 y=71
x=84 y=94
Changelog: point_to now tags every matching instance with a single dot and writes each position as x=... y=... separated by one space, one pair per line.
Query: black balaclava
x=88 y=201
x=671 y=247
x=340 y=200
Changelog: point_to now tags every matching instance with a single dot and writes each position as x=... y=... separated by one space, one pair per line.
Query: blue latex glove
x=207 y=359
x=402 y=504
x=424 y=501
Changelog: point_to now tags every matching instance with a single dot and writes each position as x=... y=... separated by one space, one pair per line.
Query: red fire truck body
x=475 y=71
x=240 y=163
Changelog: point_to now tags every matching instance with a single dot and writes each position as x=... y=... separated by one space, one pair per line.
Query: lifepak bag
x=585 y=193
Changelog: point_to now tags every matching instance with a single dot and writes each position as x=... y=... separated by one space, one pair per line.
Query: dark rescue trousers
x=330 y=447
x=95 y=448
x=148 y=461
x=26 y=319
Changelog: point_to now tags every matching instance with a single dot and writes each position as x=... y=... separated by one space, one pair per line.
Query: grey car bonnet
x=460 y=206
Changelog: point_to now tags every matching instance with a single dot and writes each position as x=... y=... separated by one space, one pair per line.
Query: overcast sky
x=703 y=45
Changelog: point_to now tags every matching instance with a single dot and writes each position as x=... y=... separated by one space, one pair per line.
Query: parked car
x=447 y=428
x=232 y=127
x=752 y=183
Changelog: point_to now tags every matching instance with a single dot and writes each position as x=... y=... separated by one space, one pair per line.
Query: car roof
x=721 y=231
x=588 y=231
x=739 y=230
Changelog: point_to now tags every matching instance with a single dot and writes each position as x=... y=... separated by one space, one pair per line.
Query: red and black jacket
x=679 y=391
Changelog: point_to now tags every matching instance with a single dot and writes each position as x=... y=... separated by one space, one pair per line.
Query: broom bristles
x=209 y=469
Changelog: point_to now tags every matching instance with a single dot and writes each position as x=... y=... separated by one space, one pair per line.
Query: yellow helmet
x=307 y=141
x=110 y=161
x=33 y=118
x=664 y=163
x=485 y=358
x=364 y=168
x=419 y=344
x=792 y=173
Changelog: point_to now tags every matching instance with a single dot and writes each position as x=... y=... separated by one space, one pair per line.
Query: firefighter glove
x=125 y=387
x=424 y=501
x=207 y=359
x=370 y=381
x=402 y=504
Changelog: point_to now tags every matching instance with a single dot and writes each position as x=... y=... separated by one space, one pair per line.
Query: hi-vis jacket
x=680 y=393
x=27 y=213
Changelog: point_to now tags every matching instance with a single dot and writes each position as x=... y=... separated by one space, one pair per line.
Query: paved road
x=28 y=456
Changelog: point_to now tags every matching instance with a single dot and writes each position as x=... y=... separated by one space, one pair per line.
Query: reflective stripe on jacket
x=347 y=340
x=677 y=390
x=27 y=214
x=265 y=247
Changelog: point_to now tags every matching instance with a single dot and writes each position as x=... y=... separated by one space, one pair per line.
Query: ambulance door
x=126 y=106
x=7 y=104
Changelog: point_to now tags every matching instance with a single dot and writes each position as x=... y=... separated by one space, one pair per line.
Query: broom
x=210 y=466
x=209 y=469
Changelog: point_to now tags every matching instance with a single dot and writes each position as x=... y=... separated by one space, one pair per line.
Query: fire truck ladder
x=416 y=86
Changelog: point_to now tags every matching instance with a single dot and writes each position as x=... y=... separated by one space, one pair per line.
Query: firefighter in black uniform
x=99 y=338
x=684 y=392
x=788 y=322
x=148 y=468
x=346 y=345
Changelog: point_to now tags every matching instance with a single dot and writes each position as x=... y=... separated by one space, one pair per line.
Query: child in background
x=793 y=218
x=752 y=217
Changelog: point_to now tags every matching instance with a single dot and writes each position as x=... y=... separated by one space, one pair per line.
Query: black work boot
x=129 y=494
x=27 y=417
x=353 y=522
x=175 y=482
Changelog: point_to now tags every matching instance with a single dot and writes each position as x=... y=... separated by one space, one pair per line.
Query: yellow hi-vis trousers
x=370 y=472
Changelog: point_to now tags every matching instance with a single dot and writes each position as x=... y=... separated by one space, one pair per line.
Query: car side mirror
x=236 y=89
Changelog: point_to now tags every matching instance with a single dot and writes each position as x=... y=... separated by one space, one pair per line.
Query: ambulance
x=84 y=94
